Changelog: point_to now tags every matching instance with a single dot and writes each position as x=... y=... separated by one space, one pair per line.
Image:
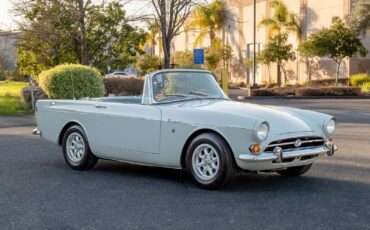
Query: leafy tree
x=183 y=59
x=216 y=53
x=263 y=58
x=208 y=19
x=278 y=50
x=147 y=63
x=170 y=17
x=307 y=50
x=279 y=26
x=53 y=34
x=282 y=21
x=337 y=42
x=358 y=20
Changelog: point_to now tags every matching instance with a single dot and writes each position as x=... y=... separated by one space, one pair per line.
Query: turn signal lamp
x=255 y=148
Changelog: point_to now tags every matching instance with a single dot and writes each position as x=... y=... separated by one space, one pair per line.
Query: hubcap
x=75 y=147
x=205 y=162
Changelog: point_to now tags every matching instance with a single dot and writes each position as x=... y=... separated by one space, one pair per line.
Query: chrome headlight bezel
x=261 y=131
x=330 y=126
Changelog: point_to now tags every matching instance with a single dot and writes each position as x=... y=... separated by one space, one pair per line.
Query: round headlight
x=330 y=127
x=262 y=132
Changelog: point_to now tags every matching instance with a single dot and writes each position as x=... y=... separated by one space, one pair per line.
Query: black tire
x=88 y=160
x=295 y=171
x=226 y=167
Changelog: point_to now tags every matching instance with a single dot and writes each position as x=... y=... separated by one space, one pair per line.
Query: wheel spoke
x=75 y=147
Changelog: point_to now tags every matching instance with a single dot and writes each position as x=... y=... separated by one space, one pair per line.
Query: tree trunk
x=309 y=72
x=83 y=43
x=278 y=75
x=211 y=36
x=166 y=52
x=337 y=73
x=284 y=72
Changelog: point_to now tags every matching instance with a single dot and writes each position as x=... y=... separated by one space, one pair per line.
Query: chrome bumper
x=279 y=155
x=36 y=131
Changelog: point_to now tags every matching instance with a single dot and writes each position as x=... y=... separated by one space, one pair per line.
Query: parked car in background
x=120 y=75
x=185 y=121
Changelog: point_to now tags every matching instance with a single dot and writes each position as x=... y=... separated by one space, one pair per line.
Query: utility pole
x=254 y=42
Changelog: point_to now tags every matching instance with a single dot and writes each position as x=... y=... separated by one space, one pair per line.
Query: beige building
x=238 y=33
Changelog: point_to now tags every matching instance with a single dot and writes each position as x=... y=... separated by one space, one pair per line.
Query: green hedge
x=359 y=79
x=72 y=81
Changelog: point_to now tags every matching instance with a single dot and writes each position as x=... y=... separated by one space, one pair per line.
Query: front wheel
x=209 y=161
x=295 y=171
x=76 y=150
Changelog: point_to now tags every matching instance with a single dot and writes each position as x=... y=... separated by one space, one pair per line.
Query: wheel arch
x=197 y=133
x=66 y=126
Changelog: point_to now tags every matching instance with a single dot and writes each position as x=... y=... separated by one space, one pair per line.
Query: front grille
x=289 y=144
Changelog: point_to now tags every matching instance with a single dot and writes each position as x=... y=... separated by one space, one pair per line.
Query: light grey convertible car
x=184 y=120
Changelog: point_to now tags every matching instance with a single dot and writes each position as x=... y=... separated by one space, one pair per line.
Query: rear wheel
x=76 y=150
x=295 y=171
x=209 y=161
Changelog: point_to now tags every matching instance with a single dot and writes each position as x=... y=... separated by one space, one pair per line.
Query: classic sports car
x=184 y=120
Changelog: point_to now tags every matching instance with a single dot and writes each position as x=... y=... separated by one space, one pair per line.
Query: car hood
x=244 y=115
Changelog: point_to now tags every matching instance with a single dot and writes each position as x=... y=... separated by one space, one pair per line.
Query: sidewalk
x=13 y=121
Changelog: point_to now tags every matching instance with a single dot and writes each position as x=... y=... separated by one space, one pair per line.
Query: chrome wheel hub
x=75 y=147
x=205 y=162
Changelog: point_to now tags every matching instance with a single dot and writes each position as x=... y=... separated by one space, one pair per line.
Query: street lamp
x=254 y=43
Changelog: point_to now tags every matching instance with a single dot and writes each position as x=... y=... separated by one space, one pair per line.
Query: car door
x=129 y=132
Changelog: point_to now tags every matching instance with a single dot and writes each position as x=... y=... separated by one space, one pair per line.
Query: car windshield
x=173 y=86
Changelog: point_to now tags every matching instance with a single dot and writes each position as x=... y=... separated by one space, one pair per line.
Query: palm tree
x=281 y=22
x=207 y=19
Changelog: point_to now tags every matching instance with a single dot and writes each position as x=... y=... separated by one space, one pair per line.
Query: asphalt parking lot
x=39 y=191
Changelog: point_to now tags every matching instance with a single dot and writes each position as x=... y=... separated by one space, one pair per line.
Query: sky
x=6 y=21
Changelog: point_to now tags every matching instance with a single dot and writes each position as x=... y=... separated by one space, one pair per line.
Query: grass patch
x=12 y=105
x=10 y=101
x=11 y=88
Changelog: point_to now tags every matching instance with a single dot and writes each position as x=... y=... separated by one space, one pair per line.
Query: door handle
x=100 y=107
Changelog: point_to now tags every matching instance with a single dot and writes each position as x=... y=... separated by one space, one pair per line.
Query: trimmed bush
x=69 y=81
x=262 y=92
x=329 y=82
x=365 y=88
x=282 y=91
x=124 y=86
x=146 y=63
x=359 y=79
x=329 y=91
x=38 y=94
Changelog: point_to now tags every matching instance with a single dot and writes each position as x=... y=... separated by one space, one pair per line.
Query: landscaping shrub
x=284 y=91
x=124 y=86
x=329 y=82
x=365 y=88
x=359 y=79
x=38 y=94
x=262 y=92
x=70 y=81
x=329 y=91
x=146 y=63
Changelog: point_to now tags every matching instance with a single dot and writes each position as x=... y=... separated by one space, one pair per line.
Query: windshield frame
x=179 y=99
